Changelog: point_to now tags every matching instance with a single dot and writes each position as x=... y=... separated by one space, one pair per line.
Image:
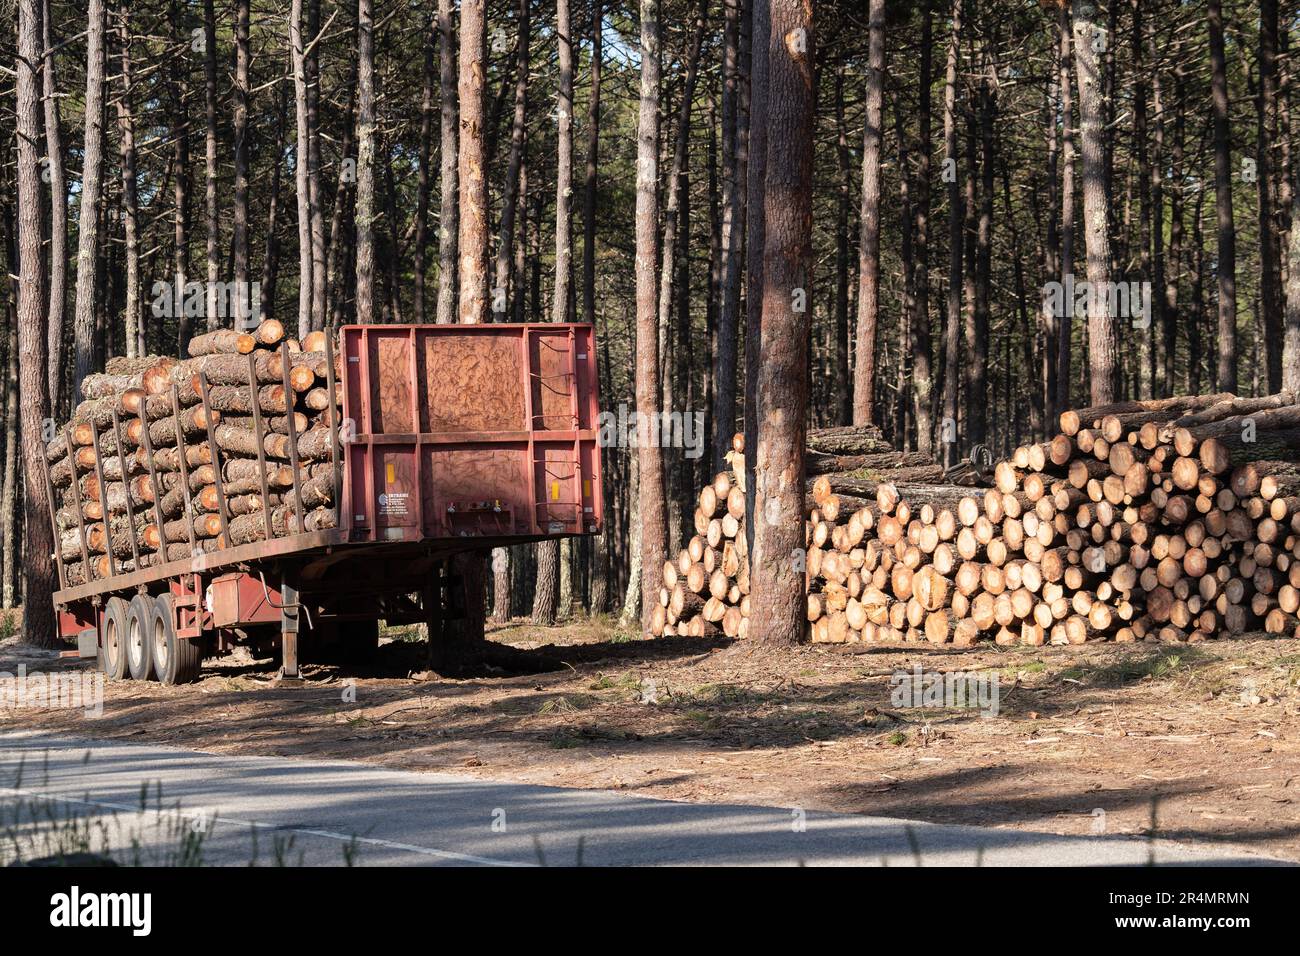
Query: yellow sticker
x=586 y=487
x=392 y=473
x=555 y=491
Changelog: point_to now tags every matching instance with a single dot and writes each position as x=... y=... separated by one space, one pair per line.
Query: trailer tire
x=176 y=660
x=112 y=655
x=139 y=623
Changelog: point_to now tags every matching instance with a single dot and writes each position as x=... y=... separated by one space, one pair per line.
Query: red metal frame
x=402 y=455
x=492 y=519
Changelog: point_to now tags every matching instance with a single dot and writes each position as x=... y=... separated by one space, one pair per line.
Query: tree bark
x=1227 y=233
x=58 y=209
x=956 y=218
x=510 y=199
x=589 y=193
x=38 y=612
x=649 y=454
x=239 y=233
x=448 y=224
x=1103 y=335
x=424 y=180
x=724 y=394
x=563 y=166
x=365 y=215
x=778 y=614
x=302 y=186
x=315 y=187
x=472 y=174
x=130 y=201
x=760 y=33
x=1065 y=321
x=922 y=370
x=1270 y=306
x=91 y=187
x=213 y=230
x=864 y=373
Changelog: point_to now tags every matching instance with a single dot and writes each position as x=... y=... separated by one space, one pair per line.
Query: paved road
x=323 y=812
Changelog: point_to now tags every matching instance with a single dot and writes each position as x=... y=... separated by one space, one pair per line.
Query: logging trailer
x=452 y=439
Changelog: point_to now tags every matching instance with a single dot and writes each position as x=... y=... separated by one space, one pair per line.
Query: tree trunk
x=448 y=225
x=1227 y=233
x=38 y=612
x=956 y=219
x=864 y=373
x=58 y=209
x=472 y=175
x=178 y=88
x=778 y=615
x=922 y=372
x=725 y=361
x=271 y=253
x=1103 y=333
x=842 y=398
x=302 y=186
x=130 y=202
x=365 y=216
x=589 y=183
x=239 y=232
x=510 y=199
x=1270 y=305
x=315 y=188
x=649 y=454
x=213 y=228
x=91 y=186
x=424 y=180
x=564 y=166
x=1065 y=321
x=9 y=492
x=501 y=610
x=755 y=187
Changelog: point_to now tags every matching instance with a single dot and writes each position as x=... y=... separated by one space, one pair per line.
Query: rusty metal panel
x=237 y=599
x=470 y=431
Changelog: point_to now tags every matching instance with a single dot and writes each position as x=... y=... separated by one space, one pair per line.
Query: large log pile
x=166 y=458
x=1171 y=520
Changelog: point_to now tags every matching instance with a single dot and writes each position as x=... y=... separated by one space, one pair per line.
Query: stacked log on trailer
x=168 y=458
x=1173 y=520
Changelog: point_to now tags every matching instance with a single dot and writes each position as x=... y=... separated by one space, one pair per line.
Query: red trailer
x=453 y=438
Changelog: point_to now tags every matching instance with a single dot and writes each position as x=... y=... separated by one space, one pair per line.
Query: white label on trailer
x=555 y=527
x=393 y=503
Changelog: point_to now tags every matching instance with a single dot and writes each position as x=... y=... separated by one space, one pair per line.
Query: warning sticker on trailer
x=393 y=503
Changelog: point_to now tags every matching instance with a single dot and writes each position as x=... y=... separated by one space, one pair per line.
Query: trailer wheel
x=175 y=659
x=139 y=624
x=112 y=656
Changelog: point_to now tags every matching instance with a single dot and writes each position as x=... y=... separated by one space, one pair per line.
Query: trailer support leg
x=289 y=633
x=434 y=619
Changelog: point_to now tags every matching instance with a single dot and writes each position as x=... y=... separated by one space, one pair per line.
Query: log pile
x=705 y=588
x=1169 y=520
x=166 y=458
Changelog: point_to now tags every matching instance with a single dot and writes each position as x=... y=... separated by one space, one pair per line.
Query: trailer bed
x=451 y=438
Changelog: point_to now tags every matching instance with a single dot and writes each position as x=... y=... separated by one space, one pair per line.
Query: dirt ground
x=1086 y=739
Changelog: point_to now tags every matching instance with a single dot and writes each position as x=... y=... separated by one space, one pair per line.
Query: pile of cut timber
x=1174 y=519
x=705 y=590
x=165 y=459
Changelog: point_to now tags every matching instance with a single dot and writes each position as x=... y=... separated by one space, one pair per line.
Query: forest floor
x=1086 y=739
